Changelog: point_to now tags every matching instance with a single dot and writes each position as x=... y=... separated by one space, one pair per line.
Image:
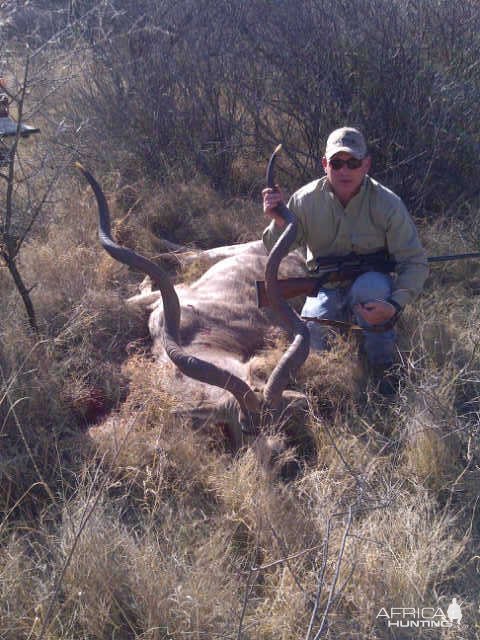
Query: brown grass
x=180 y=537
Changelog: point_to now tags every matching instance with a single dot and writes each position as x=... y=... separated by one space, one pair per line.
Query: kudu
x=210 y=330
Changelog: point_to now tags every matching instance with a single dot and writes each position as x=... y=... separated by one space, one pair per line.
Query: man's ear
x=367 y=163
x=324 y=163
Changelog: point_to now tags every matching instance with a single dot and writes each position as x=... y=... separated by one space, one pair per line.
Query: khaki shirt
x=374 y=219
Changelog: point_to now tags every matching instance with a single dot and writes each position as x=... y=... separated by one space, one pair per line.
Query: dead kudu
x=212 y=330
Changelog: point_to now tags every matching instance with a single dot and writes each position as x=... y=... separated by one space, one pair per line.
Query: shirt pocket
x=367 y=242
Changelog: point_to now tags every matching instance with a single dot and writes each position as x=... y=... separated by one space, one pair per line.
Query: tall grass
x=120 y=519
x=144 y=528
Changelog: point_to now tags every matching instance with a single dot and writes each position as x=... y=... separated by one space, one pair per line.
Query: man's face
x=345 y=182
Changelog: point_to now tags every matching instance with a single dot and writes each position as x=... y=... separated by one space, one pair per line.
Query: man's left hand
x=375 y=311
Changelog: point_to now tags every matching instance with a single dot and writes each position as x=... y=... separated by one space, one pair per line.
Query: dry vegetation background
x=156 y=533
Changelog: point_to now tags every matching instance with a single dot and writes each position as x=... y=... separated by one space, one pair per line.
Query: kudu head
x=253 y=408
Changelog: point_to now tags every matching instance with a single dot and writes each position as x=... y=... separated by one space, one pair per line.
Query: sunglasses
x=352 y=163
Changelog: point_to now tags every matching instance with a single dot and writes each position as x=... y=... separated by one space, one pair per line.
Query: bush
x=175 y=97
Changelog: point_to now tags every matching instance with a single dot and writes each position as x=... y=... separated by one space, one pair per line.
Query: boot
x=386 y=378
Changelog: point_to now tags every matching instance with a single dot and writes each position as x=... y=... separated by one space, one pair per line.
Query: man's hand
x=375 y=311
x=271 y=199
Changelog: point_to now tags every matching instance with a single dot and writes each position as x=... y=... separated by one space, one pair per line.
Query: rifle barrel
x=308 y=285
x=455 y=256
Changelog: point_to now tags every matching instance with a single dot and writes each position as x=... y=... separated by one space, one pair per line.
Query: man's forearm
x=409 y=282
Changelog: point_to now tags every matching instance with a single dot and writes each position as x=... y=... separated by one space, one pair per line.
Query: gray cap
x=346 y=139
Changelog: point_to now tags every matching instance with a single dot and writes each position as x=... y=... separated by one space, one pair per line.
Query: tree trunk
x=23 y=291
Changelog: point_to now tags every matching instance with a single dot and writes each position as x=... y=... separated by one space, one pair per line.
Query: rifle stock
x=289 y=288
x=308 y=286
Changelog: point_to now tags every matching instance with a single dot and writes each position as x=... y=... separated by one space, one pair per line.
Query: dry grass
x=183 y=212
x=158 y=533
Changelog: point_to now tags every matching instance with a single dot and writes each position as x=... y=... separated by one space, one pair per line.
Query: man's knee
x=370 y=286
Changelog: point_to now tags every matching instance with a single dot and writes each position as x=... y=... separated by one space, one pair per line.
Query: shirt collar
x=356 y=198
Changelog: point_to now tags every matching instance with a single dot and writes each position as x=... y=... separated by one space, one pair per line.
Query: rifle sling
x=337 y=324
x=351 y=326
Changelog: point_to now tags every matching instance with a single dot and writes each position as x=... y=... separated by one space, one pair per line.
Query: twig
x=27 y=446
x=248 y=591
x=38 y=208
x=361 y=482
x=17 y=372
x=16 y=504
x=11 y=167
x=284 y=549
x=6 y=396
x=321 y=578
x=68 y=27
x=304 y=552
x=337 y=573
x=255 y=574
x=87 y=515
x=291 y=557
x=345 y=582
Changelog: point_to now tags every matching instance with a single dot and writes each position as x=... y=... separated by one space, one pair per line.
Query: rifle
x=342 y=269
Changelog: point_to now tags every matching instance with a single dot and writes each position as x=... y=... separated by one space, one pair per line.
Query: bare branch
x=13 y=152
x=87 y=514
x=320 y=581
x=335 y=578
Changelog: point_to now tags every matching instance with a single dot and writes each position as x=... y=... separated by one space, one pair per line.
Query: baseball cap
x=346 y=139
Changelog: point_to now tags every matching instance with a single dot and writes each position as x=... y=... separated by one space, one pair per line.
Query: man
x=347 y=211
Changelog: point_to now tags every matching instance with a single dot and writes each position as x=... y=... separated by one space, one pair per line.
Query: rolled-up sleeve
x=406 y=249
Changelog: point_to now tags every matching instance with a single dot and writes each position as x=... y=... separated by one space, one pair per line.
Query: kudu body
x=206 y=334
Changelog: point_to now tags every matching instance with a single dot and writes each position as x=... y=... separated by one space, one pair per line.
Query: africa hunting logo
x=422 y=617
